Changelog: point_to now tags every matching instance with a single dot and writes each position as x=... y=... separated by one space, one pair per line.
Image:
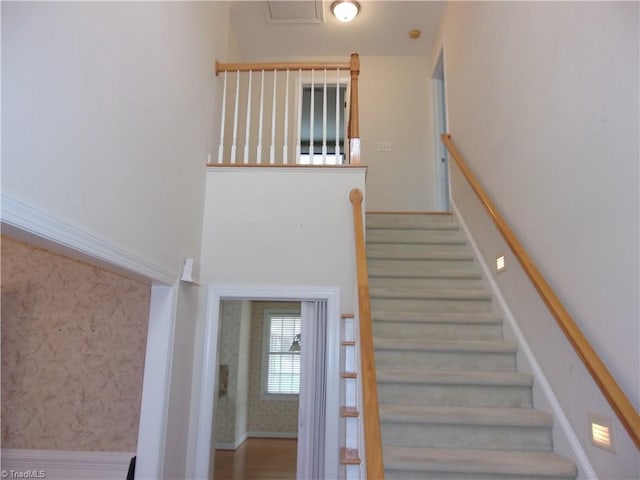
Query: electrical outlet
x=384 y=147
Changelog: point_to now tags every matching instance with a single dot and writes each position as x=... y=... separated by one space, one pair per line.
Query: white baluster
x=311 y=119
x=324 y=118
x=248 y=120
x=300 y=97
x=338 y=107
x=286 y=120
x=272 y=147
x=235 y=119
x=222 y=119
x=259 y=147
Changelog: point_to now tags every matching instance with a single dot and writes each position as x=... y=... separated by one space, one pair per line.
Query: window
x=281 y=365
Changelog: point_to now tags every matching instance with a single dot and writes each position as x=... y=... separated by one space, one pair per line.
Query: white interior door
x=313 y=391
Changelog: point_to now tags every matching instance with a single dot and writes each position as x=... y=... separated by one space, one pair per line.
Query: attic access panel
x=300 y=11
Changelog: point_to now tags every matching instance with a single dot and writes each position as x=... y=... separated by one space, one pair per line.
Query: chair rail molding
x=28 y=223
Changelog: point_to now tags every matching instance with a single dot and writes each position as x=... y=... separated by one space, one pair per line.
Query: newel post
x=354 y=119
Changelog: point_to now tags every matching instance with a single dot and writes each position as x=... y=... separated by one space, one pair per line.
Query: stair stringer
x=565 y=440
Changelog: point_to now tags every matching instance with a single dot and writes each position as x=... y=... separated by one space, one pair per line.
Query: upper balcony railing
x=289 y=113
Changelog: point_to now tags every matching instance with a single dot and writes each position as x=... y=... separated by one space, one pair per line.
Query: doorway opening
x=256 y=414
x=318 y=406
x=440 y=126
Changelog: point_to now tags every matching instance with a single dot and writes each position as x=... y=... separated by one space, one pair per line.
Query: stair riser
x=441 y=282
x=466 y=436
x=455 y=395
x=429 y=305
x=409 y=221
x=415 y=236
x=436 y=475
x=444 y=253
x=422 y=268
x=436 y=331
x=469 y=361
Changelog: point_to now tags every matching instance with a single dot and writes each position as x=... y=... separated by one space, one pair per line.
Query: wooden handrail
x=608 y=386
x=372 y=437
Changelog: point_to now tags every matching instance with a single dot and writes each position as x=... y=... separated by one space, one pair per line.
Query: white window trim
x=264 y=366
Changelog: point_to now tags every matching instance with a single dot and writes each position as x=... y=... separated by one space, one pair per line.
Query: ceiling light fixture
x=345 y=10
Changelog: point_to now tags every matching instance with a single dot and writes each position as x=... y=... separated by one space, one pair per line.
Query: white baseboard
x=231 y=445
x=64 y=465
x=580 y=455
x=243 y=438
x=272 y=434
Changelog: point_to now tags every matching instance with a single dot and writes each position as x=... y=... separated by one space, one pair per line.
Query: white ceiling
x=381 y=28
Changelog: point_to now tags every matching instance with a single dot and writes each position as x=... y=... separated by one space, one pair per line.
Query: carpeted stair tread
x=382 y=274
x=452 y=404
x=453 y=377
x=479 y=346
x=417 y=252
x=494 y=416
x=413 y=236
x=497 y=462
x=436 y=317
x=431 y=293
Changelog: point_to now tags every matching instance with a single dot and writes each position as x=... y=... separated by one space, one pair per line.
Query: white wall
x=396 y=107
x=281 y=226
x=107 y=117
x=543 y=103
x=278 y=228
x=107 y=121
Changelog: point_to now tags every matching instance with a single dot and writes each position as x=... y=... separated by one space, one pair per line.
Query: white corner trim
x=64 y=465
x=156 y=382
x=558 y=412
x=31 y=221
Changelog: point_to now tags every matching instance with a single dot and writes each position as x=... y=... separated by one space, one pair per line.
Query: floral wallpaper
x=228 y=355
x=73 y=346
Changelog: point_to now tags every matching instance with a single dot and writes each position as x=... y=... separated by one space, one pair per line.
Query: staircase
x=452 y=403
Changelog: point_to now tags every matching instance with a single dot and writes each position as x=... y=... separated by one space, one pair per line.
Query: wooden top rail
x=372 y=437
x=270 y=66
x=611 y=390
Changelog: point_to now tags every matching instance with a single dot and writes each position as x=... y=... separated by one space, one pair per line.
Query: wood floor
x=258 y=459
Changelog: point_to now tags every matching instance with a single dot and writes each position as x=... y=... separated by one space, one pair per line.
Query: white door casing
x=202 y=436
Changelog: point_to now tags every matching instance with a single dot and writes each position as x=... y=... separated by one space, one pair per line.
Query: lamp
x=345 y=10
x=295 y=345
